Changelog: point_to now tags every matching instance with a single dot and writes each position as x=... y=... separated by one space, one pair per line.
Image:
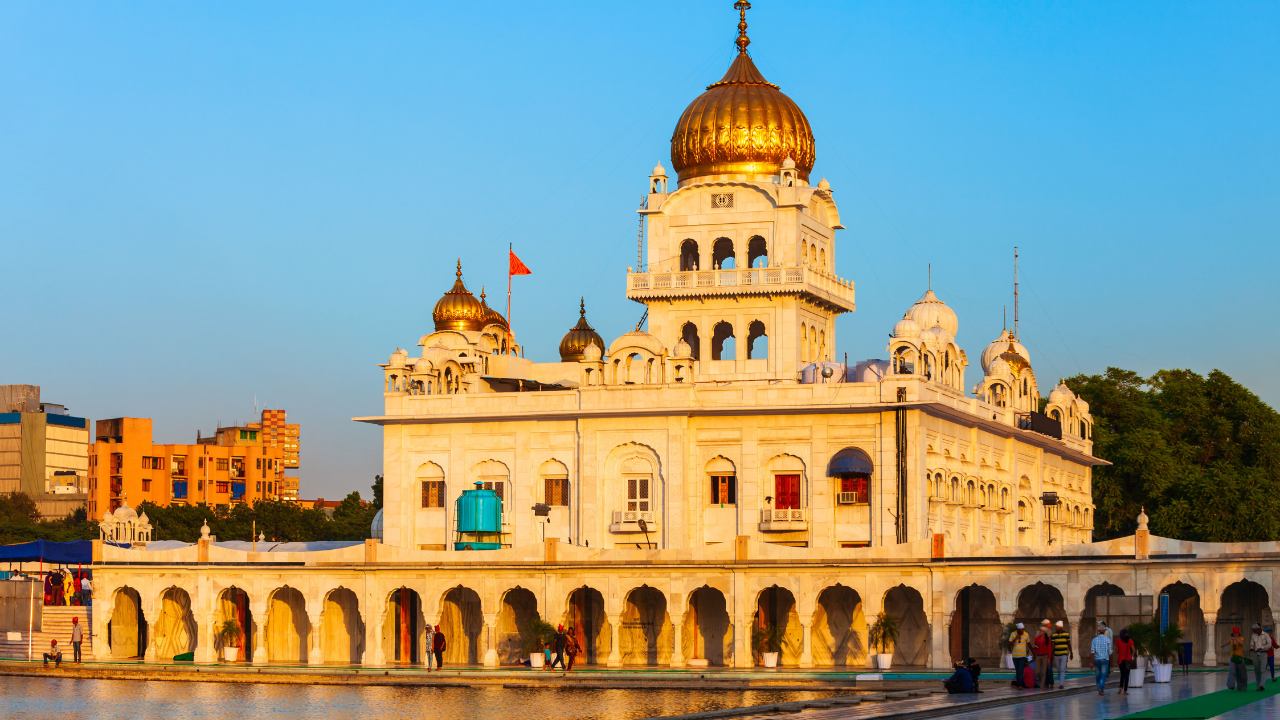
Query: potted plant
x=767 y=643
x=1140 y=633
x=231 y=635
x=1006 y=645
x=1164 y=648
x=883 y=634
x=535 y=637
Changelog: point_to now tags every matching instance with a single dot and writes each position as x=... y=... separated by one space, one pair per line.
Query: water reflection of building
x=719 y=471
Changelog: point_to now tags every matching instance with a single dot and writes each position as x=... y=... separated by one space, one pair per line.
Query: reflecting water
x=70 y=699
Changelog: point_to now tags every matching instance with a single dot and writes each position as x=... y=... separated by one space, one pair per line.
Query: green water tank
x=479 y=511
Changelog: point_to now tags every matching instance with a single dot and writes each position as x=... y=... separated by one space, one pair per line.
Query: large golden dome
x=575 y=341
x=742 y=125
x=459 y=309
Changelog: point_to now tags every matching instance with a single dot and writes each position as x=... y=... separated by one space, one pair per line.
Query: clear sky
x=206 y=203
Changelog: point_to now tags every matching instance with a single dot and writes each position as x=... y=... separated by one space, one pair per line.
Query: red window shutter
x=786 y=491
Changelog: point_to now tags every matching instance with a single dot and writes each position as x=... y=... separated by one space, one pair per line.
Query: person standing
x=86 y=588
x=558 y=642
x=1259 y=644
x=1020 y=648
x=68 y=589
x=572 y=648
x=1237 y=676
x=439 y=646
x=1101 y=649
x=1042 y=648
x=77 y=637
x=1271 y=654
x=1124 y=658
x=1062 y=652
x=430 y=645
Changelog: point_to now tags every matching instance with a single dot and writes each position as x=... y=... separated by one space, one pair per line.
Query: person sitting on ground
x=960 y=683
x=975 y=670
x=54 y=654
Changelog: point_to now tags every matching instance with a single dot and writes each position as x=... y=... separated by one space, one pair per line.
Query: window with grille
x=497 y=487
x=853 y=489
x=724 y=490
x=638 y=494
x=786 y=492
x=223 y=464
x=557 y=491
x=432 y=493
x=722 y=200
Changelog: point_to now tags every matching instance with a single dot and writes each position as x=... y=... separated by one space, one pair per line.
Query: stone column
x=1073 y=620
x=101 y=616
x=491 y=644
x=941 y=642
x=1210 y=643
x=372 y=638
x=615 y=650
x=742 y=656
x=150 y=616
x=315 y=650
x=258 y=609
x=208 y=653
x=806 y=647
x=677 y=636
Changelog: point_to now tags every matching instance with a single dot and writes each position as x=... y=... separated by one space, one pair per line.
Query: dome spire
x=742 y=6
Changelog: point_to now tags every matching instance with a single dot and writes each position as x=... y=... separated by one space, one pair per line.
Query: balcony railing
x=703 y=282
x=628 y=521
x=784 y=519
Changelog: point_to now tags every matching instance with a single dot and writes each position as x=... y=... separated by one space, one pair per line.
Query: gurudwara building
x=674 y=488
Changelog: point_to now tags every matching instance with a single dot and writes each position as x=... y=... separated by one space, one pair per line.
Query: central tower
x=741 y=253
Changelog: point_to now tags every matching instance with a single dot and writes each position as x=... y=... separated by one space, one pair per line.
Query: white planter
x=770 y=659
x=1142 y=663
x=883 y=661
x=1163 y=672
x=537 y=660
x=1136 y=676
x=230 y=654
x=1006 y=661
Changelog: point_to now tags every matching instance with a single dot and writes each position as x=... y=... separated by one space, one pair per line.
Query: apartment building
x=273 y=432
x=126 y=465
x=43 y=451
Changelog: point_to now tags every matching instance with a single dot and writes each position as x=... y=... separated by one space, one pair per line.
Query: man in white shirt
x=1259 y=644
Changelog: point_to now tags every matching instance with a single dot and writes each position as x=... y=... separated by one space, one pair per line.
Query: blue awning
x=67 y=553
x=850 y=462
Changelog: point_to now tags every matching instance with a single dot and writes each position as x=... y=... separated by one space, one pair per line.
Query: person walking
x=1101 y=649
x=77 y=637
x=1062 y=651
x=1124 y=658
x=1271 y=654
x=439 y=645
x=54 y=654
x=86 y=589
x=1020 y=648
x=571 y=647
x=1042 y=648
x=430 y=645
x=68 y=588
x=1237 y=676
x=1259 y=644
x=558 y=642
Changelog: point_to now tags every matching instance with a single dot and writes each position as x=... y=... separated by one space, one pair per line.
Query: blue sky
x=201 y=204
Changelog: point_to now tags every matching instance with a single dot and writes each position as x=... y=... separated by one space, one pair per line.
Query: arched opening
x=851 y=468
x=1243 y=603
x=757 y=252
x=287 y=629
x=233 y=604
x=720 y=348
x=975 y=626
x=462 y=623
x=839 y=628
x=689 y=333
x=822 y=258
x=646 y=635
x=586 y=616
x=904 y=361
x=724 y=482
x=776 y=607
x=519 y=607
x=688 y=255
x=175 y=629
x=1040 y=602
x=906 y=604
x=706 y=634
x=1089 y=618
x=341 y=628
x=804 y=343
x=127 y=629
x=430 y=478
x=404 y=630
x=635 y=369
x=722 y=256
x=1184 y=607
x=757 y=341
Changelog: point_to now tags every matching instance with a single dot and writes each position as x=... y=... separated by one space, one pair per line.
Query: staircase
x=56 y=625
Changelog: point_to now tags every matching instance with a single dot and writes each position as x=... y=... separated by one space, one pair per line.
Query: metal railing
x=632 y=516
x=784 y=515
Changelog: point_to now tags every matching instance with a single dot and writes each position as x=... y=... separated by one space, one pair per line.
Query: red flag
x=517 y=267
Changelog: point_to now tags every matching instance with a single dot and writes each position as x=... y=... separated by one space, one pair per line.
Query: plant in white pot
x=883 y=634
x=767 y=643
x=1006 y=645
x=1140 y=633
x=230 y=635
x=1164 y=648
x=535 y=637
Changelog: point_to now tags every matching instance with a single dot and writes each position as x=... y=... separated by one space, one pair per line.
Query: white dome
x=682 y=349
x=788 y=164
x=906 y=328
x=659 y=170
x=1062 y=395
x=1001 y=345
x=375 y=530
x=823 y=184
x=929 y=311
x=592 y=353
x=640 y=339
x=398 y=358
x=422 y=365
x=936 y=336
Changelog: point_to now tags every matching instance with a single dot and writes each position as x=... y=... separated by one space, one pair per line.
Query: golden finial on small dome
x=459 y=309
x=742 y=6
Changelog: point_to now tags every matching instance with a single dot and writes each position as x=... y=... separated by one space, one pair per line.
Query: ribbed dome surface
x=742 y=125
x=575 y=342
x=459 y=309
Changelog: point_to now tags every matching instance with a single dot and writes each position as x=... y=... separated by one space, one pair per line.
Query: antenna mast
x=1015 y=292
x=644 y=203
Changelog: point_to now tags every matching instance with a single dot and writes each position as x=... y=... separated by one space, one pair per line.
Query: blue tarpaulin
x=66 y=553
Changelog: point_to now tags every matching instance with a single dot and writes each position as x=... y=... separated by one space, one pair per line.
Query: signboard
x=1164 y=612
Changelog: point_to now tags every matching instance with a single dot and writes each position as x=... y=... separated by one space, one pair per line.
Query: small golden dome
x=579 y=337
x=742 y=125
x=459 y=309
x=491 y=316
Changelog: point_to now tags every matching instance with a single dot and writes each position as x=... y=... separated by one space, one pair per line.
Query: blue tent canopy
x=66 y=553
x=849 y=462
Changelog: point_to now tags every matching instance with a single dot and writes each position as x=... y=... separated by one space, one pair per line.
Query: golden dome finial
x=742 y=6
x=582 y=306
x=459 y=268
x=575 y=342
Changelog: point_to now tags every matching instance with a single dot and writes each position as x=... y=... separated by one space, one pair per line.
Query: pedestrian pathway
x=1208 y=705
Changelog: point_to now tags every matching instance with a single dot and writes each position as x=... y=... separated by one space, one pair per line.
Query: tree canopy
x=1201 y=454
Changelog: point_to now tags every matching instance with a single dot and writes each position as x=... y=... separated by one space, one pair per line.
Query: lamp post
x=645 y=527
x=1049 y=499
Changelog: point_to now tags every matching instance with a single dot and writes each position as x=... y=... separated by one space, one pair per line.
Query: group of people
x=965 y=678
x=1262 y=647
x=55 y=652
x=564 y=643
x=1037 y=661
x=436 y=645
x=67 y=588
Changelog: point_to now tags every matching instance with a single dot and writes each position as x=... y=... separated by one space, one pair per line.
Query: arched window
x=822 y=258
x=494 y=476
x=904 y=361
x=634 y=369
x=431 y=481
x=555 y=483
x=1004 y=499
x=991 y=497
x=724 y=482
x=813 y=255
x=972 y=498
x=757 y=341
x=722 y=347
x=688 y=255
x=689 y=333
x=804 y=343
x=822 y=345
x=757 y=252
x=1055 y=415
x=1022 y=511
x=722 y=257
x=955 y=489
x=851 y=469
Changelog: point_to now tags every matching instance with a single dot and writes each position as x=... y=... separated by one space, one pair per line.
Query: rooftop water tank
x=479 y=514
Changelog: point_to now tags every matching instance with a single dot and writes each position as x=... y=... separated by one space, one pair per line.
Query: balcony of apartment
x=628 y=521
x=784 y=519
x=710 y=283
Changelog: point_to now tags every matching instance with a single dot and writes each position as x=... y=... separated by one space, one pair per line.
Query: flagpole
x=510 y=250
